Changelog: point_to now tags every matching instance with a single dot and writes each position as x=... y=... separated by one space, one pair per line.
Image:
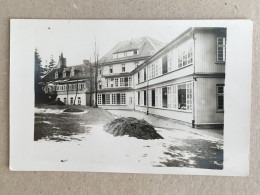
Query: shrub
x=132 y=127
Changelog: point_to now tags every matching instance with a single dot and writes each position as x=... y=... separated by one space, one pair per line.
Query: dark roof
x=80 y=72
x=147 y=46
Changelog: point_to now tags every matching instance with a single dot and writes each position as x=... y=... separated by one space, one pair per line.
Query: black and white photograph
x=155 y=96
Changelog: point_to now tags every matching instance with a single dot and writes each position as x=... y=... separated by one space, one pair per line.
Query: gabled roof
x=146 y=46
x=80 y=72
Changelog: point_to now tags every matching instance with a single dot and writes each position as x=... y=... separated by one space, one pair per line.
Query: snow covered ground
x=95 y=146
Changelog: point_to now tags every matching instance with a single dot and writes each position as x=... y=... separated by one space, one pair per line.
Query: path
x=166 y=124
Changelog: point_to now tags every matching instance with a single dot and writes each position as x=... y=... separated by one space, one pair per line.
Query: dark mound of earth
x=73 y=110
x=132 y=127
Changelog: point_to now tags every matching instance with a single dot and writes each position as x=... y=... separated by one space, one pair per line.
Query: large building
x=116 y=89
x=185 y=80
x=69 y=84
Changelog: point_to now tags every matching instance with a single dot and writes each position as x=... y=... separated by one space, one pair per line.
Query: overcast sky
x=76 y=38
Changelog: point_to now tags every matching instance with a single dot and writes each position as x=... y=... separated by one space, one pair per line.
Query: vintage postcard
x=134 y=96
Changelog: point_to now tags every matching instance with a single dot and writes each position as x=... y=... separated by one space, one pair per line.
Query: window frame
x=220 y=94
x=223 y=46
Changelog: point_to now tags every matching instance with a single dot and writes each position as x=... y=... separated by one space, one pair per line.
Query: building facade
x=116 y=90
x=185 y=80
x=69 y=84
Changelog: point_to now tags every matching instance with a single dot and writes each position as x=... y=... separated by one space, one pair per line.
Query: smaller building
x=69 y=84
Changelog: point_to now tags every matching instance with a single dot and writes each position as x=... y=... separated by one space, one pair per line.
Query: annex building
x=69 y=84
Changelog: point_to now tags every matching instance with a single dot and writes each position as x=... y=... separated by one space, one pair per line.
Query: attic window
x=56 y=75
x=135 y=52
x=64 y=73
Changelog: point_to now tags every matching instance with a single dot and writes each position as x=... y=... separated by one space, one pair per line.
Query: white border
x=237 y=102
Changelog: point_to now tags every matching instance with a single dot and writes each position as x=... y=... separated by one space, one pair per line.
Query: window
x=112 y=82
x=107 y=98
x=189 y=96
x=113 y=98
x=126 y=81
x=190 y=57
x=174 y=97
x=65 y=100
x=136 y=64
x=169 y=97
x=118 y=98
x=138 y=98
x=158 y=97
x=153 y=97
x=164 y=64
x=220 y=97
x=185 y=95
x=123 y=67
x=135 y=52
x=221 y=49
x=170 y=61
x=79 y=101
x=145 y=74
x=182 y=97
x=122 y=98
x=138 y=75
x=116 y=82
x=144 y=97
x=164 y=97
x=100 y=71
x=110 y=69
x=185 y=56
x=56 y=75
x=108 y=81
x=129 y=81
x=100 y=86
x=71 y=100
x=64 y=73
x=122 y=82
x=104 y=99
x=99 y=99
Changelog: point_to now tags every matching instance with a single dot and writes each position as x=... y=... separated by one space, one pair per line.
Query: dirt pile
x=73 y=110
x=132 y=127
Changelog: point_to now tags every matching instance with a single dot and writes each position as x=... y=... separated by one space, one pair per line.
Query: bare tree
x=96 y=68
x=76 y=92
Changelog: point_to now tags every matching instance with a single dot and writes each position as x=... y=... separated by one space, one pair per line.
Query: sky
x=76 y=38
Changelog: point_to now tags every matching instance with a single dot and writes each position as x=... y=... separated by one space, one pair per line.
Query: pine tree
x=51 y=63
x=37 y=76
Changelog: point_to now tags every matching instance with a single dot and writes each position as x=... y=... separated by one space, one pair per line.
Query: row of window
x=71 y=100
x=64 y=74
x=119 y=82
x=174 y=97
x=65 y=87
x=125 y=54
x=182 y=57
x=178 y=97
x=111 y=99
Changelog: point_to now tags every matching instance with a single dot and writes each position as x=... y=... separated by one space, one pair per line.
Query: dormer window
x=56 y=75
x=72 y=72
x=123 y=67
x=64 y=73
x=110 y=69
x=135 y=52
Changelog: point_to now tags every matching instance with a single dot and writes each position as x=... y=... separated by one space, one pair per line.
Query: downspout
x=194 y=79
x=147 y=94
